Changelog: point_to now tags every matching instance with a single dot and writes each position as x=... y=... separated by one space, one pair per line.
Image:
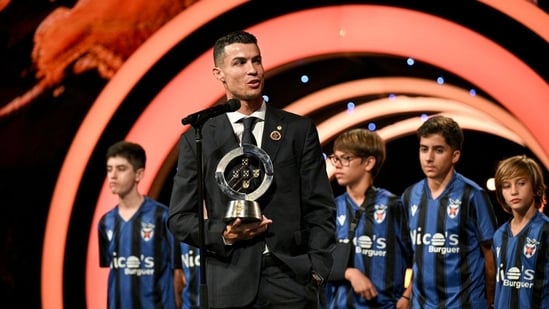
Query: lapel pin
x=275 y=135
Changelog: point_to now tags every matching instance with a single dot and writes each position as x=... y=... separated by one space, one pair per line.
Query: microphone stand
x=197 y=125
x=196 y=120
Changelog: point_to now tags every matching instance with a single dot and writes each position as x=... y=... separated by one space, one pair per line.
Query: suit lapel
x=274 y=132
x=224 y=134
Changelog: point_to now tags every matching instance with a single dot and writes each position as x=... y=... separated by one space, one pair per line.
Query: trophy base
x=246 y=211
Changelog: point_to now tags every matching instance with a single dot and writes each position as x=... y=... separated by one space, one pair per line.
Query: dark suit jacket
x=300 y=203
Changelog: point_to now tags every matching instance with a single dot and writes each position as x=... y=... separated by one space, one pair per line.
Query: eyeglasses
x=343 y=160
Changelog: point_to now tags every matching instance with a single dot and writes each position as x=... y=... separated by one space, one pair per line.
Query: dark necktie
x=247 y=135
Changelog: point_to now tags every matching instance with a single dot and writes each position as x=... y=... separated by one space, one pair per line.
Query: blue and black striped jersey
x=522 y=263
x=381 y=249
x=446 y=233
x=140 y=255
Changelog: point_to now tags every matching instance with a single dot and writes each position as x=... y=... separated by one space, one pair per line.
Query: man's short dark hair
x=445 y=126
x=134 y=153
x=231 y=38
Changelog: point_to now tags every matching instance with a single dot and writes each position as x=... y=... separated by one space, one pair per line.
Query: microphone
x=203 y=115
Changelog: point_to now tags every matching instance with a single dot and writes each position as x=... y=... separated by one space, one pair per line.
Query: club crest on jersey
x=147 y=231
x=453 y=208
x=380 y=213
x=530 y=247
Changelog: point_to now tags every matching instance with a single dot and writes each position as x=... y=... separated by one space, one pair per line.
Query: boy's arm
x=178 y=283
x=489 y=271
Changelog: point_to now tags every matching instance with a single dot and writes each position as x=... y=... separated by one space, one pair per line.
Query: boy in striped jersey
x=451 y=222
x=521 y=244
x=133 y=238
x=374 y=276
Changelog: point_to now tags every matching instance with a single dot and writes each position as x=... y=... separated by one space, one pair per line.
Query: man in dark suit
x=281 y=260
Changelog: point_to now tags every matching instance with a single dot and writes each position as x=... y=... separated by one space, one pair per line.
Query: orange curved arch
x=79 y=154
x=336 y=31
x=417 y=86
x=465 y=119
x=375 y=109
x=524 y=12
x=163 y=114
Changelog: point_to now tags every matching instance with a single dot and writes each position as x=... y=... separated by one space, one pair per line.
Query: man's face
x=436 y=157
x=121 y=176
x=241 y=72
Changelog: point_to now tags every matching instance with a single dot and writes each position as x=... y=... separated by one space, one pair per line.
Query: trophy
x=244 y=174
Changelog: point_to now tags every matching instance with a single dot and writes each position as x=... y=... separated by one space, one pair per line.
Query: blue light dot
x=472 y=92
x=350 y=107
x=304 y=79
x=440 y=80
x=372 y=126
x=392 y=96
x=424 y=117
x=410 y=61
x=265 y=98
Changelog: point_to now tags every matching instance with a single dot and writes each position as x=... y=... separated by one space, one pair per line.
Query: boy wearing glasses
x=372 y=276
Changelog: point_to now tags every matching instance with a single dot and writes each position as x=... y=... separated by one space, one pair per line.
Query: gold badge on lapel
x=275 y=135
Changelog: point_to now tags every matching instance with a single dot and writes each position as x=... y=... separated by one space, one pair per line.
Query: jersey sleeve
x=485 y=216
x=104 y=257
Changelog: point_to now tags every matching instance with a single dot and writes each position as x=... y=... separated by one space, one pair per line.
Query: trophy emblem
x=244 y=174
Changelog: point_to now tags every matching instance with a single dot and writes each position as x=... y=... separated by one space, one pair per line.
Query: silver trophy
x=244 y=174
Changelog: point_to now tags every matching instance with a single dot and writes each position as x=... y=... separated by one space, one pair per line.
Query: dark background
x=34 y=140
